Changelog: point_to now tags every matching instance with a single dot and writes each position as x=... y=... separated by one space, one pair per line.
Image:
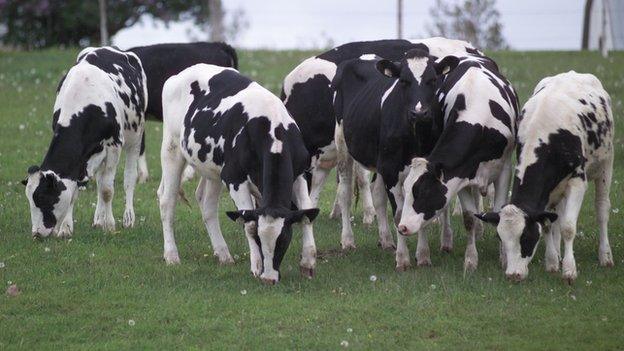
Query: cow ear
x=489 y=217
x=33 y=169
x=243 y=215
x=83 y=183
x=446 y=65
x=24 y=181
x=435 y=168
x=544 y=217
x=299 y=215
x=388 y=68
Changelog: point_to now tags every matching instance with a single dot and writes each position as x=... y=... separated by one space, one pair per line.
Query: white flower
x=373 y=278
x=433 y=286
x=92 y=254
x=349 y=330
x=2 y=265
x=46 y=249
x=615 y=210
x=589 y=282
x=243 y=292
x=131 y=322
x=344 y=343
x=22 y=127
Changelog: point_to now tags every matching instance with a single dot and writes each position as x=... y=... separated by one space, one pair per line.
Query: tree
x=33 y=24
x=476 y=21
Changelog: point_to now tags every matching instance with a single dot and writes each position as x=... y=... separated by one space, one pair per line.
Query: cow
x=477 y=109
x=235 y=132
x=380 y=108
x=162 y=61
x=308 y=97
x=99 y=110
x=565 y=141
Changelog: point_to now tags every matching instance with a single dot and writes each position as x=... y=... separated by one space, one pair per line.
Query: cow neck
x=277 y=180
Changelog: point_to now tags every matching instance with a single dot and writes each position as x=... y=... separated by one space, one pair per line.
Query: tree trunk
x=215 y=20
x=103 y=21
x=399 y=19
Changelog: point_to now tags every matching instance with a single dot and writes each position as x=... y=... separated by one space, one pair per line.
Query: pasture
x=113 y=291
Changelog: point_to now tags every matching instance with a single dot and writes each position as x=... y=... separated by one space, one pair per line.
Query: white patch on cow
x=417 y=65
x=388 y=92
x=269 y=228
x=418 y=107
x=510 y=228
x=369 y=57
x=440 y=47
x=305 y=71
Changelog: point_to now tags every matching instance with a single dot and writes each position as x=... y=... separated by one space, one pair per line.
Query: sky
x=305 y=24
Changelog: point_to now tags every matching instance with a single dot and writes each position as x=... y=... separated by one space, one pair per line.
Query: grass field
x=113 y=291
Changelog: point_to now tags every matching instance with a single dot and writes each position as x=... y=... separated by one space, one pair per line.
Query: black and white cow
x=235 y=132
x=162 y=61
x=99 y=109
x=477 y=109
x=308 y=97
x=565 y=140
x=383 y=123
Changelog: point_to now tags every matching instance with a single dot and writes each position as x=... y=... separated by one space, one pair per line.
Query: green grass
x=82 y=293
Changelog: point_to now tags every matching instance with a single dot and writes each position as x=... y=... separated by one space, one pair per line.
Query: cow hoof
x=402 y=267
x=425 y=262
x=606 y=259
x=171 y=258
x=348 y=246
x=470 y=265
x=128 y=220
x=569 y=277
x=269 y=281
x=142 y=177
x=552 y=268
x=386 y=246
x=225 y=260
x=307 y=272
x=64 y=232
x=335 y=213
x=446 y=249
x=368 y=218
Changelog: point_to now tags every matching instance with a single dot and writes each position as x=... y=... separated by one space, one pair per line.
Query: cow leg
x=345 y=189
x=308 y=251
x=335 y=212
x=402 y=251
x=573 y=202
x=603 y=206
x=319 y=176
x=423 y=254
x=478 y=225
x=207 y=195
x=243 y=200
x=469 y=208
x=130 y=181
x=105 y=183
x=67 y=226
x=142 y=164
x=501 y=186
x=552 y=241
x=380 y=199
x=362 y=177
x=172 y=162
x=446 y=232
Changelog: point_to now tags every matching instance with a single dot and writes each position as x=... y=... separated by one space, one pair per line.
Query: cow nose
x=403 y=230
x=514 y=277
x=419 y=115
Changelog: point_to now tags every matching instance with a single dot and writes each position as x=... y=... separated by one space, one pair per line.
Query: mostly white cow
x=476 y=110
x=308 y=97
x=162 y=61
x=235 y=132
x=99 y=109
x=565 y=141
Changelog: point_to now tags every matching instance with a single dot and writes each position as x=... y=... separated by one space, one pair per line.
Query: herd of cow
x=433 y=119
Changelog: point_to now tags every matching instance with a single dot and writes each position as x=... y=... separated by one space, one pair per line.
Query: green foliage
x=476 y=21
x=82 y=294
x=34 y=24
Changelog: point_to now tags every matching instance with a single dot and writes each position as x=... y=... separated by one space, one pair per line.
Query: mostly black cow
x=309 y=99
x=477 y=110
x=382 y=123
x=99 y=109
x=235 y=132
x=162 y=61
x=565 y=140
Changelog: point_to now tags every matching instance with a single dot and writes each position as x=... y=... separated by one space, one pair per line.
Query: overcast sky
x=285 y=24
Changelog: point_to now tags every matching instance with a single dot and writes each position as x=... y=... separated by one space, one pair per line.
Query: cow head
x=50 y=198
x=418 y=77
x=519 y=233
x=425 y=196
x=274 y=232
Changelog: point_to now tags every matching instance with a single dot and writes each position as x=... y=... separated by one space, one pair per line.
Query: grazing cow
x=162 y=61
x=308 y=97
x=99 y=109
x=235 y=132
x=477 y=109
x=565 y=140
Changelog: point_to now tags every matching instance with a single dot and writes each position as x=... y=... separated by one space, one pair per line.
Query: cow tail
x=232 y=52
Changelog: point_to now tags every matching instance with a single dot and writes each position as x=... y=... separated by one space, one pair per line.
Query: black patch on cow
x=429 y=194
x=55 y=118
x=499 y=113
x=46 y=195
x=529 y=237
x=582 y=101
x=161 y=61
